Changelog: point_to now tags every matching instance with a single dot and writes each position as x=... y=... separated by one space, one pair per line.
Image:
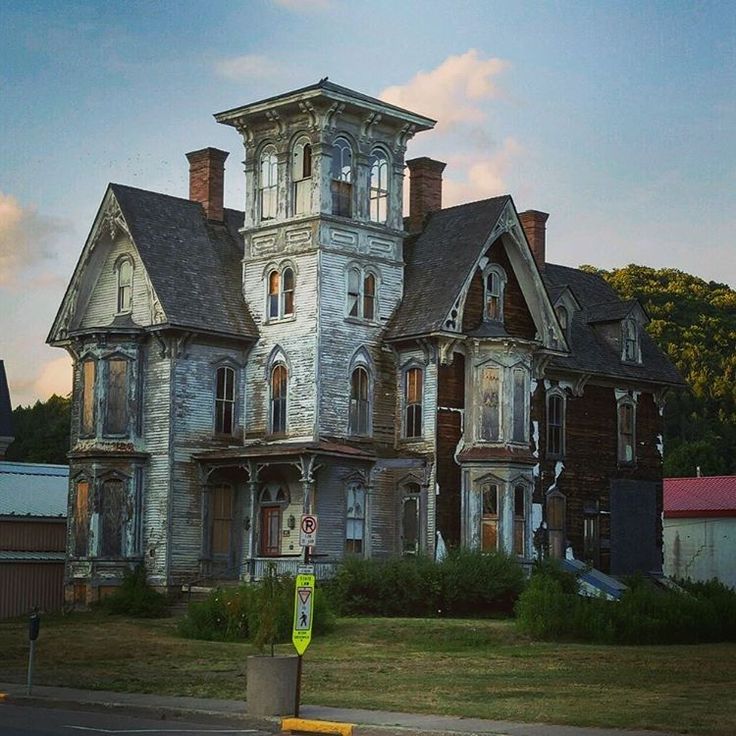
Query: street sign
x=308 y=530
x=303 y=608
x=305 y=569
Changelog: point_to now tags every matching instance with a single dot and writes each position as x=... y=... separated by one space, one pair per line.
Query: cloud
x=248 y=66
x=54 y=377
x=453 y=92
x=304 y=5
x=24 y=238
x=460 y=94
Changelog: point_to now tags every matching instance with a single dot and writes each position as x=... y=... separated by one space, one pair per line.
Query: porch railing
x=323 y=569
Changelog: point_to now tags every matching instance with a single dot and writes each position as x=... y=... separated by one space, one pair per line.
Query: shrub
x=135 y=597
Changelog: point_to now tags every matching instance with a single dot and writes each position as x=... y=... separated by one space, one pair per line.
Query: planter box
x=271 y=685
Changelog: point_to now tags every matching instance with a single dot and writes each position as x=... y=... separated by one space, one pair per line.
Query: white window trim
x=494 y=268
x=380 y=194
x=556 y=392
x=279 y=269
x=404 y=404
x=363 y=273
x=118 y=265
x=266 y=151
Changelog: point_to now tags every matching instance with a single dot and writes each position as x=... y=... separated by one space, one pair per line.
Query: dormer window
x=630 y=341
x=125 y=285
x=301 y=176
x=379 y=187
x=494 y=280
x=342 y=178
x=563 y=317
x=267 y=183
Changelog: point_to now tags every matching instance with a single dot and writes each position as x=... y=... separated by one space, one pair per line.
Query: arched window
x=268 y=183
x=125 y=285
x=520 y=520
x=81 y=518
x=626 y=431
x=410 y=538
x=489 y=516
x=563 y=317
x=279 y=388
x=379 y=186
x=355 y=518
x=413 y=393
x=630 y=340
x=342 y=178
x=280 y=299
x=301 y=176
x=361 y=294
x=555 y=425
x=360 y=408
x=494 y=280
x=224 y=400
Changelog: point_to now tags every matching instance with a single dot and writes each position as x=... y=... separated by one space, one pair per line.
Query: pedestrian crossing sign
x=303 y=609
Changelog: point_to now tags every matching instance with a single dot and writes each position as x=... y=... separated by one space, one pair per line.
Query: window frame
x=497 y=273
x=341 y=186
x=623 y=405
x=407 y=405
x=114 y=527
x=121 y=306
x=88 y=394
x=357 y=295
x=281 y=401
x=356 y=428
x=630 y=341
x=224 y=401
x=268 y=181
x=379 y=163
x=555 y=394
x=490 y=519
x=81 y=551
x=360 y=517
x=411 y=491
x=519 y=539
x=301 y=170
x=280 y=296
x=126 y=360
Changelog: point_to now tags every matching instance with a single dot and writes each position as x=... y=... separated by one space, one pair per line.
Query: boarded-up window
x=626 y=418
x=89 y=371
x=116 y=418
x=81 y=519
x=489 y=517
x=355 y=518
x=556 y=524
x=490 y=404
x=225 y=400
x=222 y=519
x=279 y=384
x=413 y=391
x=520 y=520
x=113 y=509
x=555 y=425
x=410 y=519
x=519 y=431
x=359 y=402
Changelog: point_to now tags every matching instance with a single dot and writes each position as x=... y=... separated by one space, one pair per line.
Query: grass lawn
x=455 y=667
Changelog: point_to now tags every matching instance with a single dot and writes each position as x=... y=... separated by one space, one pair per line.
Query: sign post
x=301 y=635
x=34 y=625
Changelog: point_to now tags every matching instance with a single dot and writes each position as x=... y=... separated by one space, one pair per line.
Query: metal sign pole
x=34 y=625
x=298 y=699
x=30 y=666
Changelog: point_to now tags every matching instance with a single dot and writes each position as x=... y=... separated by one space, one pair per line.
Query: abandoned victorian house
x=418 y=382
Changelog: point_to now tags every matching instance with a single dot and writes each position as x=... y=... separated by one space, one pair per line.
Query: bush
x=645 y=614
x=465 y=583
x=260 y=612
x=135 y=597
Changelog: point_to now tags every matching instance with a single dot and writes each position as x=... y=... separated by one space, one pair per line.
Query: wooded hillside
x=694 y=322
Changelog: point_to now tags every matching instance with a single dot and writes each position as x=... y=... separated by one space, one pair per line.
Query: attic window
x=630 y=341
x=494 y=280
x=125 y=285
x=563 y=317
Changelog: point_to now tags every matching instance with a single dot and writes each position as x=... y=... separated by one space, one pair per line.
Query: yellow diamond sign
x=303 y=609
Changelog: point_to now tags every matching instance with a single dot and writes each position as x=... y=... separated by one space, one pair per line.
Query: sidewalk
x=368 y=722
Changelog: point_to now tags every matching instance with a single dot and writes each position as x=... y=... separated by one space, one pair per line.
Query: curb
x=309 y=726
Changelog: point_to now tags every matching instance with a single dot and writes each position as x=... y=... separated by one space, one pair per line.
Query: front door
x=270 y=531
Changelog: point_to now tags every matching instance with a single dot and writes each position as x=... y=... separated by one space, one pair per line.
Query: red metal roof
x=711 y=496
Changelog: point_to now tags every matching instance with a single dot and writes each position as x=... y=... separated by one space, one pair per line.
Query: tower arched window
x=279 y=390
x=281 y=287
x=379 y=187
x=301 y=176
x=342 y=178
x=125 y=285
x=361 y=294
x=360 y=407
x=268 y=183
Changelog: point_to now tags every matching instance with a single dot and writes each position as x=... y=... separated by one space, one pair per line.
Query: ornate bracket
x=366 y=130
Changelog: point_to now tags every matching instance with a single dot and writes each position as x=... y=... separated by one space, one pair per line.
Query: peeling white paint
x=533 y=386
x=569 y=385
x=535 y=471
x=547 y=384
x=440 y=551
x=660 y=445
x=535 y=437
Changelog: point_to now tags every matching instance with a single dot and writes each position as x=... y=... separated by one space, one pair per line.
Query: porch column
x=252 y=485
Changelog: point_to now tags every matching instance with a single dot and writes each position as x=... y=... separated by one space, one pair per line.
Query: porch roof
x=284 y=449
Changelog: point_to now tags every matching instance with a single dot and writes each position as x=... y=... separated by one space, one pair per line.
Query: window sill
x=280 y=320
x=361 y=321
x=112 y=436
x=410 y=440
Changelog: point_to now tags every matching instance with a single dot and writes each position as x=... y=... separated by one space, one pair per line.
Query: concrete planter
x=271 y=688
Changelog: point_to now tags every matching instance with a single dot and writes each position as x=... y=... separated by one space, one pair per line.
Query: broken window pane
x=379 y=187
x=353 y=292
x=268 y=183
x=116 y=420
x=224 y=400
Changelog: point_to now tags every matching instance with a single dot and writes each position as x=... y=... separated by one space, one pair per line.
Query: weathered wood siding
x=26 y=585
x=20 y=535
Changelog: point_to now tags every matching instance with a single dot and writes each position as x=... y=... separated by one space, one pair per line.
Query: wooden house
x=416 y=382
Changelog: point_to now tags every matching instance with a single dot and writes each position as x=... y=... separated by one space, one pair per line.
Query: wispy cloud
x=25 y=238
x=248 y=66
x=459 y=93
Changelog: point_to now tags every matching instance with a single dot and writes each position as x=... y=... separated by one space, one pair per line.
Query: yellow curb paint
x=304 y=725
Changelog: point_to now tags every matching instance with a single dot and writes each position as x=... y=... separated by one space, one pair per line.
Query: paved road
x=25 y=721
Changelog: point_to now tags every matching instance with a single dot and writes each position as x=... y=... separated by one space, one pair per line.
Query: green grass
x=455 y=667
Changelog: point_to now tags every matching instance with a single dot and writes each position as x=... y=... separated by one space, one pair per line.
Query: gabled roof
x=194 y=264
x=6 y=410
x=438 y=262
x=697 y=497
x=33 y=489
x=589 y=351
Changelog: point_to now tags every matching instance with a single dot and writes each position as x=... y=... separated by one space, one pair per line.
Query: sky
x=618 y=118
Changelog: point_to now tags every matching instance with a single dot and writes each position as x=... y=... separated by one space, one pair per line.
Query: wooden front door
x=270 y=531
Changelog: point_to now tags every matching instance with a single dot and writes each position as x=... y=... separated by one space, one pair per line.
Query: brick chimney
x=207 y=180
x=425 y=189
x=534 y=224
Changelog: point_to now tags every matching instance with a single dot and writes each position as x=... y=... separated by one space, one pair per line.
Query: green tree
x=694 y=322
x=41 y=432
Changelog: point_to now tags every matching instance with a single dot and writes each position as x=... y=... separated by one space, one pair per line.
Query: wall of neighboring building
x=701 y=548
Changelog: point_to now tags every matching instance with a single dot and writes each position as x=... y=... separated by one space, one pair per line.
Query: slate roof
x=194 y=264
x=6 y=410
x=33 y=489
x=447 y=250
x=590 y=352
x=697 y=497
x=613 y=311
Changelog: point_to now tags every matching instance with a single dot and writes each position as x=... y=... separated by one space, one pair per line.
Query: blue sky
x=617 y=118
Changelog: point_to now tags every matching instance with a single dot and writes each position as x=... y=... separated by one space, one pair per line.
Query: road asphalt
x=234 y=712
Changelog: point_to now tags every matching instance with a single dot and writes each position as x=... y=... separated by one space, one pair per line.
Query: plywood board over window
x=114 y=515
x=116 y=417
